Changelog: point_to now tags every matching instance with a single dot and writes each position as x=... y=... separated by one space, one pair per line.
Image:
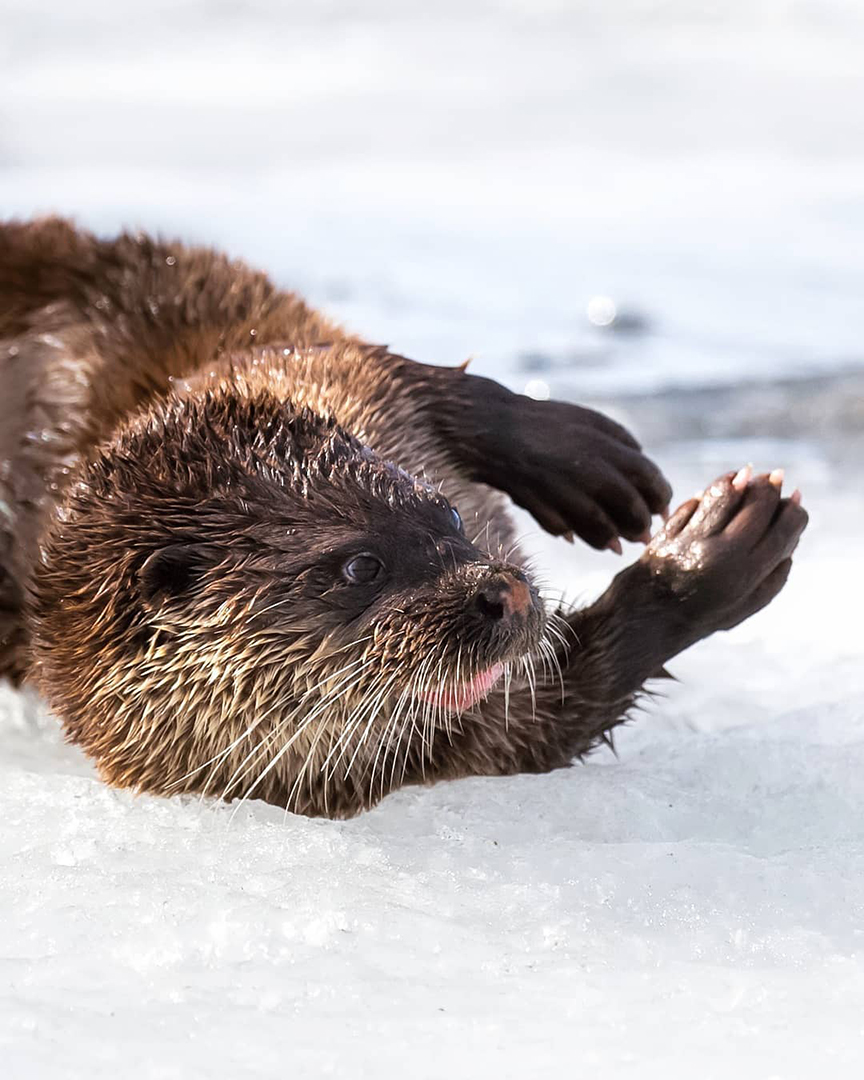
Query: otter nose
x=503 y=597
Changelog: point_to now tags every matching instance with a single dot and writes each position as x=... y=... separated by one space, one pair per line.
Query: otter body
x=243 y=552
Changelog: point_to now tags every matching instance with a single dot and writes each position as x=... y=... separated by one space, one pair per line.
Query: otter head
x=240 y=597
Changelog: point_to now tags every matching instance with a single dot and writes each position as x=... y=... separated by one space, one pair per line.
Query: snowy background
x=474 y=178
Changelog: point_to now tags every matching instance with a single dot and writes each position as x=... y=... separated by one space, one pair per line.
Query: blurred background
x=653 y=207
x=593 y=199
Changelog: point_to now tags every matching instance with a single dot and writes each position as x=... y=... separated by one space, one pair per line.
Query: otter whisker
x=406 y=700
x=349 y=645
x=218 y=758
x=433 y=704
x=351 y=680
x=551 y=666
x=554 y=660
x=430 y=720
x=557 y=619
x=383 y=740
x=553 y=632
x=387 y=735
x=314 y=690
x=528 y=667
x=294 y=794
x=369 y=704
x=352 y=721
x=410 y=717
x=449 y=719
x=375 y=709
x=480 y=532
x=428 y=723
x=423 y=695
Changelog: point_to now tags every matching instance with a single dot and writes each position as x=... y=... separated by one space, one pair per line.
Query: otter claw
x=742 y=478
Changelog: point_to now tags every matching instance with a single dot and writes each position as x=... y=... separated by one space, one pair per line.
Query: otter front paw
x=726 y=554
x=573 y=469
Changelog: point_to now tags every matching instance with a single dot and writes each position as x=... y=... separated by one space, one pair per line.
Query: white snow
x=455 y=181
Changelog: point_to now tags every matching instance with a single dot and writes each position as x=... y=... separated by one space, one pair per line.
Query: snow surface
x=461 y=181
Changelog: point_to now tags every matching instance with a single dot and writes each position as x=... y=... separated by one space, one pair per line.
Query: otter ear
x=170 y=573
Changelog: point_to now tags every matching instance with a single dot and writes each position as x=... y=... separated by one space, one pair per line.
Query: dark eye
x=363 y=569
x=457 y=519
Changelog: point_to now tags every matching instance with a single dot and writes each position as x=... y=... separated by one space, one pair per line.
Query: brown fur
x=189 y=457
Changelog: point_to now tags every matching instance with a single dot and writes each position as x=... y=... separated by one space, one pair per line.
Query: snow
x=452 y=182
x=696 y=903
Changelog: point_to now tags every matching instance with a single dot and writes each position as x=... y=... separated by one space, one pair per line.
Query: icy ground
x=692 y=909
x=454 y=184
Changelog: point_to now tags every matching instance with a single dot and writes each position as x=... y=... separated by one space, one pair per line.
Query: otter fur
x=243 y=552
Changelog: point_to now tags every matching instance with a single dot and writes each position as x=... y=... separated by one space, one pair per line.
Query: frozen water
x=689 y=909
x=466 y=182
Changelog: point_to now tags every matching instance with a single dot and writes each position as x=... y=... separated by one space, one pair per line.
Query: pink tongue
x=461 y=697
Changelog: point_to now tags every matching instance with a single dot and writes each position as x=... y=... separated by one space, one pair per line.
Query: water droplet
x=170 y=261
x=537 y=389
x=42 y=435
x=601 y=310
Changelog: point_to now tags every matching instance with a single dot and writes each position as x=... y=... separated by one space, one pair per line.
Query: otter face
x=238 y=596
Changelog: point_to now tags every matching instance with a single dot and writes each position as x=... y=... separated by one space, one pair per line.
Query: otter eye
x=457 y=518
x=362 y=569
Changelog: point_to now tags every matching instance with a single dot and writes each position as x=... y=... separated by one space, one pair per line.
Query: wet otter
x=243 y=552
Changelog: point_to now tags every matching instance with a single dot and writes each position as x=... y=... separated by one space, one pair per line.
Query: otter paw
x=727 y=553
x=574 y=470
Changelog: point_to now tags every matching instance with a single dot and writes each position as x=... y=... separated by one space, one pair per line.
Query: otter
x=243 y=552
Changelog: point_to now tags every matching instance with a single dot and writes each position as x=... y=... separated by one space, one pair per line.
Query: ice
x=694 y=904
x=467 y=182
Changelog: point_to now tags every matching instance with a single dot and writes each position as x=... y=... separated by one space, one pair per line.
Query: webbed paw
x=726 y=554
x=573 y=469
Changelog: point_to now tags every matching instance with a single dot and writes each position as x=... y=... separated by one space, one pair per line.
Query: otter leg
x=718 y=560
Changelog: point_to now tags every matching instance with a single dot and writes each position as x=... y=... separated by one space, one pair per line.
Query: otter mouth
x=461 y=696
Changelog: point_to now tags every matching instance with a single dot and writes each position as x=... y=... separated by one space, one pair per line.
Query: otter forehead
x=261 y=453
x=265 y=481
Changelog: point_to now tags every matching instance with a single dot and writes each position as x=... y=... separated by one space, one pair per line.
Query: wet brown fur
x=167 y=411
